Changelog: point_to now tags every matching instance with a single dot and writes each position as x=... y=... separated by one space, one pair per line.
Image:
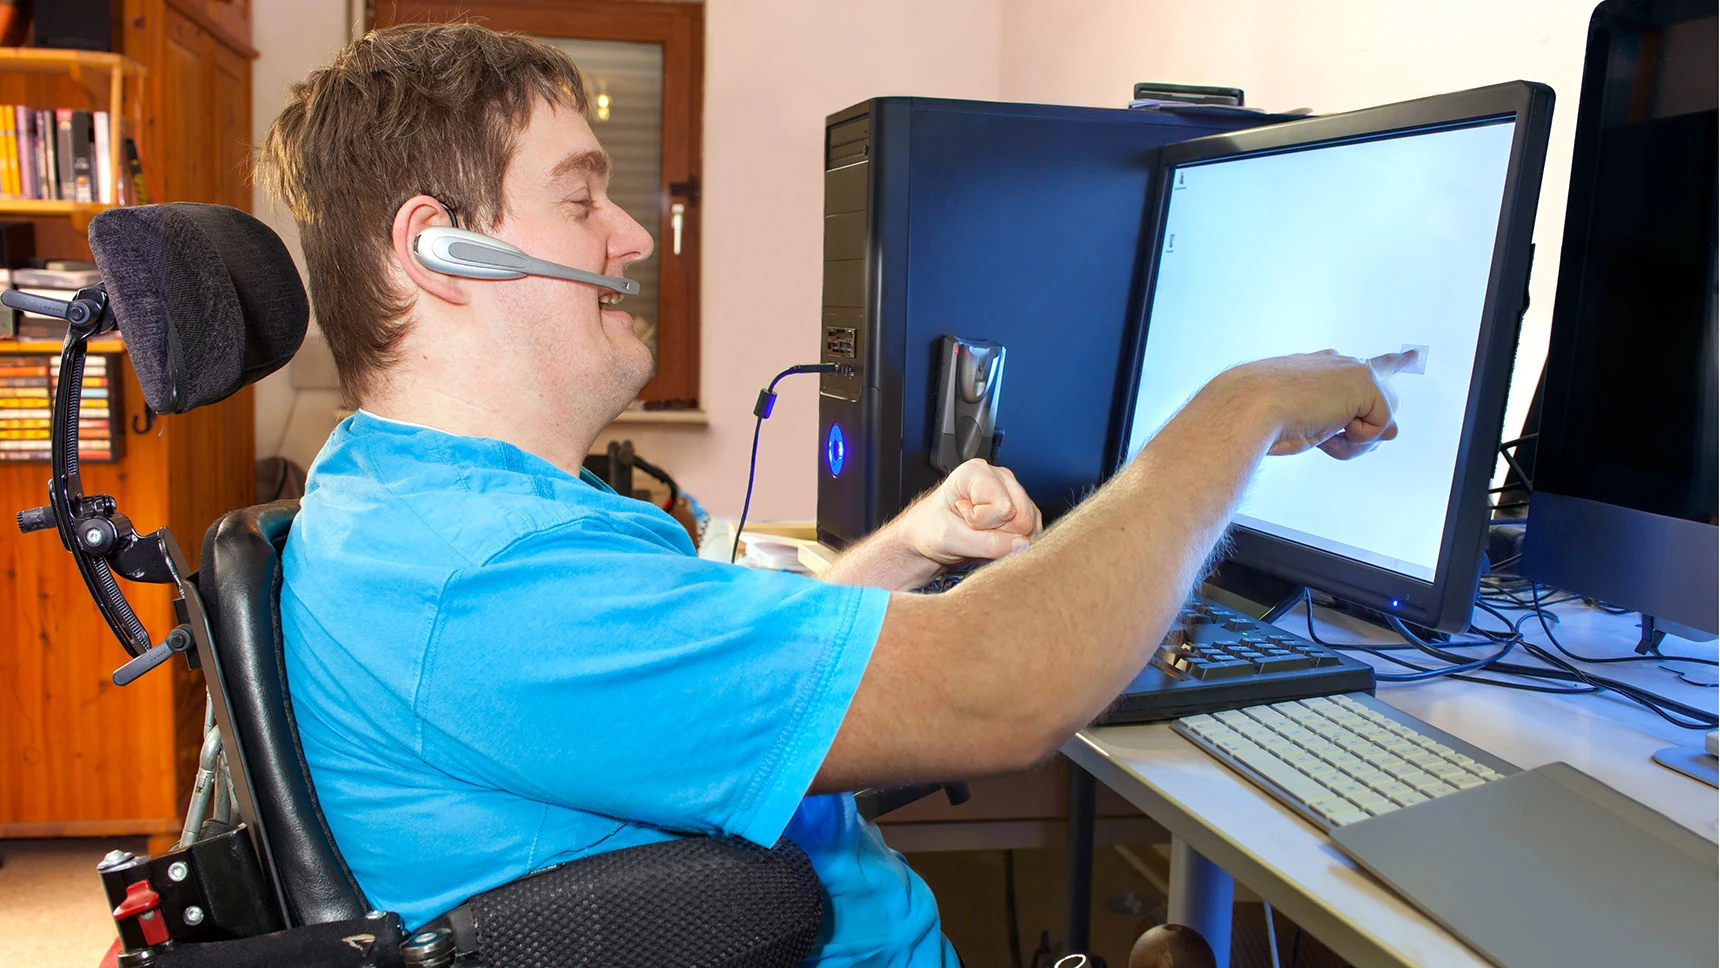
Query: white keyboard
x=1341 y=759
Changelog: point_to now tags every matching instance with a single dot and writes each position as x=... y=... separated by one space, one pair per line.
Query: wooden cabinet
x=79 y=756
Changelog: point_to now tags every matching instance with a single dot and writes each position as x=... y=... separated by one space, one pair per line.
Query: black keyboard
x=1216 y=658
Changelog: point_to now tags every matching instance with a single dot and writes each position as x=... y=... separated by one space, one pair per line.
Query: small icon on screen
x=1171 y=242
x=1182 y=179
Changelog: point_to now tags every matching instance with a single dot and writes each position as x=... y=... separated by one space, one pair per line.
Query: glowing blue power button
x=835 y=450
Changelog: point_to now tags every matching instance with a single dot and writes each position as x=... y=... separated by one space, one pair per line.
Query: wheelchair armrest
x=876 y=802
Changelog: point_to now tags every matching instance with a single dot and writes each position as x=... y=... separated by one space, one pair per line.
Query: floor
x=52 y=913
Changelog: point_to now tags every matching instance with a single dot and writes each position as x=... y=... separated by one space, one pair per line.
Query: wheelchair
x=209 y=301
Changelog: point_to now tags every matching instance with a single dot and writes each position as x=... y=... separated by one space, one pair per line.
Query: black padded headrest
x=207 y=297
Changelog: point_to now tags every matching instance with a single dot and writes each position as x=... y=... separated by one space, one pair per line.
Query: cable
x=1561 y=671
x=761 y=410
x=1010 y=917
x=661 y=475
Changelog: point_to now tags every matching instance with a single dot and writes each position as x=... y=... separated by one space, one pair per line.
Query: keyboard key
x=1337 y=811
x=1200 y=721
x=1409 y=798
x=1283 y=663
x=1344 y=761
x=1434 y=790
x=1373 y=778
x=1222 y=669
x=1395 y=790
x=1466 y=781
x=1375 y=804
x=1284 y=776
x=1234 y=717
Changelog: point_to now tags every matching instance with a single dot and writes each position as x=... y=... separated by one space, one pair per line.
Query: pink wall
x=1330 y=55
x=774 y=69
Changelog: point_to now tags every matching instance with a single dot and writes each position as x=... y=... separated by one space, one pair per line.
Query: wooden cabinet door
x=183 y=112
x=230 y=90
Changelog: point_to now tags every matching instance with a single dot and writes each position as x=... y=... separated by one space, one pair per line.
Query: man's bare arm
x=978 y=513
x=995 y=674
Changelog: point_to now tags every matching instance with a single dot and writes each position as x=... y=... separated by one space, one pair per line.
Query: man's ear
x=414 y=216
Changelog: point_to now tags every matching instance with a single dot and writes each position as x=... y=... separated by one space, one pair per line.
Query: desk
x=1224 y=824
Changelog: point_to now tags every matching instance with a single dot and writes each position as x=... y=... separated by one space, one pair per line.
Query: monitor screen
x=1365 y=246
x=1632 y=369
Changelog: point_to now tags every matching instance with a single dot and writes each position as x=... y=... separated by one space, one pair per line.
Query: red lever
x=142 y=902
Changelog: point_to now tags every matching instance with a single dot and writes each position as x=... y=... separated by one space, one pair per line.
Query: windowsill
x=637 y=415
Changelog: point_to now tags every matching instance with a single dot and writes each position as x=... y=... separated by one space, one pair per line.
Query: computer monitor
x=1369 y=232
x=1624 y=484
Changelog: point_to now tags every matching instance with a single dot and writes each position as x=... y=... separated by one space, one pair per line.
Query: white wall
x=293 y=37
x=1330 y=55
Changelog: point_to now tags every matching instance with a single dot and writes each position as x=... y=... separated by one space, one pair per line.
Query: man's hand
x=979 y=513
x=1339 y=404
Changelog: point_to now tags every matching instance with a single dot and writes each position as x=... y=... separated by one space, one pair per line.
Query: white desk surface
x=1293 y=866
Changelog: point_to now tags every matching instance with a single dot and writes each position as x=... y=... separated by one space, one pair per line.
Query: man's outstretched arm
x=995 y=674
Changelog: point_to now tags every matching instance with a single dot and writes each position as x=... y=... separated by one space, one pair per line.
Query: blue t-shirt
x=498 y=667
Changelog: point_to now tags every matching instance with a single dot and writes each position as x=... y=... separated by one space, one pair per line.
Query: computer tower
x=1018 y=224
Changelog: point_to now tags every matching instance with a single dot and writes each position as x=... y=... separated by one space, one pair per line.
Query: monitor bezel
x=1447 y=602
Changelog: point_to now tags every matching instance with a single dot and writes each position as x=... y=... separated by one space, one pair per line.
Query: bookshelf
x=78 y=757
x=102 y=82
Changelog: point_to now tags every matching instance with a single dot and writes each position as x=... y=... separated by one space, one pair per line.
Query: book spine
x=68 y=179
x=26 y=151
x=104 y=161
x=134 y=172
x=83 y=167
x=9 y=151
x=50 y=154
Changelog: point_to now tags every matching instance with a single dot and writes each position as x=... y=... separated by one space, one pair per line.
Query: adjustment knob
x=36 y=519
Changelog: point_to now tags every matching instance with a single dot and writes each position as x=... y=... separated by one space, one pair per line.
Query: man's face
x=558 y=208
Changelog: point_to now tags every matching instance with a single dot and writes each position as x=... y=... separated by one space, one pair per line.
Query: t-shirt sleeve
x=600 y=671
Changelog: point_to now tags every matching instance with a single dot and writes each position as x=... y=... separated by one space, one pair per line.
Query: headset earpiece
x=471 y=255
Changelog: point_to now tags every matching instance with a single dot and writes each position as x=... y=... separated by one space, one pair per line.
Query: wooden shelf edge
x=133 y=827
x=80 y=212
x=684 y=417
x=19 y=347
x=43 y=60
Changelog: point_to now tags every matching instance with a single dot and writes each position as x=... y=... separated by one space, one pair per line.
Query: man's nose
x=629 y=242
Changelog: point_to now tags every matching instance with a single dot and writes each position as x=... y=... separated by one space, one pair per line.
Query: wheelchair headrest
x=207 y=297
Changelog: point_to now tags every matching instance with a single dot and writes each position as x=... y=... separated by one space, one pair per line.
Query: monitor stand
x=1252 y=592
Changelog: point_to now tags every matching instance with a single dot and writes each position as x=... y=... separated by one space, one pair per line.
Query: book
x=27 y=151
x=72 y=279
x=68 y=181
x=9 y=182
x=50 y=153
x=103 y=160
x=134 y=175
x=83 y=159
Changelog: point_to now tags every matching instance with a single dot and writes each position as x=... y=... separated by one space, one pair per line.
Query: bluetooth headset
x=472 y=255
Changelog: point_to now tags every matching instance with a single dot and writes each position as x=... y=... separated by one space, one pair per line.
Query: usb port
x=839 y=341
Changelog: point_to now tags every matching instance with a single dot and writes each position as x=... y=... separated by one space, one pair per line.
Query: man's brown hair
x=420 y=108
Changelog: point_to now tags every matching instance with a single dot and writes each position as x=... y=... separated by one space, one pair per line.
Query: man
x=497 y=665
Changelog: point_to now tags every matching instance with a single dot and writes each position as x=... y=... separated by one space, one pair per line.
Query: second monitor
x=1369 y=233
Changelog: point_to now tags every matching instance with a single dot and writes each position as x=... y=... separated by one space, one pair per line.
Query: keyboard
x=1216 y=658
x=1342 y=759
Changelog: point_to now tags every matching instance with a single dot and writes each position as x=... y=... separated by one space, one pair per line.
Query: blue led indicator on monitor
x=835 y=450
x=1395 y=603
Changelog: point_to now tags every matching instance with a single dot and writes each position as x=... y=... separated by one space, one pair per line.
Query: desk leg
x=1201 y=896
x=1080 y=928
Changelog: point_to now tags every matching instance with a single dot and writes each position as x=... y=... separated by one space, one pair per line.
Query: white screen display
x=1362 y=247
